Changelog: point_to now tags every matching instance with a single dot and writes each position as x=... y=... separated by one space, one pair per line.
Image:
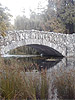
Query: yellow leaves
x=3 y=28
x=3 y=34
x=4 y=20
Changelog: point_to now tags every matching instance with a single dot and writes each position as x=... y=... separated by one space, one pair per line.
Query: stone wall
x=63 y=43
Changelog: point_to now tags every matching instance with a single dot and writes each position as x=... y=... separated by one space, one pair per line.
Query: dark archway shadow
x=45 y=50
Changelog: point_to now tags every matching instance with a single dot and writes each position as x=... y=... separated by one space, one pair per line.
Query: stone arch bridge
x=49 y=43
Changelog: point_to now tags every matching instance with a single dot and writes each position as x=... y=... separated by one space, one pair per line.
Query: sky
x=16 y=6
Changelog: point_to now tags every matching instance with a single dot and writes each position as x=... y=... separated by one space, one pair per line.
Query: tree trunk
x=70 y=28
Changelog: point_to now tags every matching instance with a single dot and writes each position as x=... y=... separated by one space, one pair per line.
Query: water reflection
x=31 y=62
x=65 y=63
x=36 y=62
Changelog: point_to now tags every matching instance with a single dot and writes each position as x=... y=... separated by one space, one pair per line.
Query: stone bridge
x=49 y=43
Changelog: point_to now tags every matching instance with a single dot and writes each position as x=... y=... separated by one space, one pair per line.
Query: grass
x=16 y=84
x=44 y=85
x=10 y=85
x=64 y=82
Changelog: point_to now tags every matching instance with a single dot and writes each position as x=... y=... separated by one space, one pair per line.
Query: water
x=32 y=61
x=18 y=56
x=42 y=62
x=65 y=63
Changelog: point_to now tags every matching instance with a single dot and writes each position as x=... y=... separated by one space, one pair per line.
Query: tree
x=4 y=20
x=66 y=14
x=21 y=22
x=58 y=16
x=50 y=21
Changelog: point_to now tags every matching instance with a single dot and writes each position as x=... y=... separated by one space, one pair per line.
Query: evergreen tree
x=66 y=14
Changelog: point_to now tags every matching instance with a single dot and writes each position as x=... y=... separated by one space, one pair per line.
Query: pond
x=37 y=62
x=32 y=61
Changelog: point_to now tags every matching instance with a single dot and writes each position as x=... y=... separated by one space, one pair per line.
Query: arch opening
x=45 y=50
x=41 y=49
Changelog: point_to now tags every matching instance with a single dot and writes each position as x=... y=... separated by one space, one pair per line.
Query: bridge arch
x=62 y=43
x=48 y=49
